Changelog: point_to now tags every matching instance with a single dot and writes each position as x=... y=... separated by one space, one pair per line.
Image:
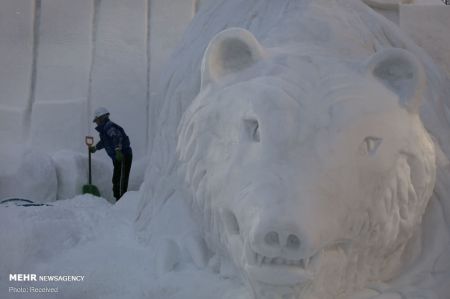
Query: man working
x=117 y=145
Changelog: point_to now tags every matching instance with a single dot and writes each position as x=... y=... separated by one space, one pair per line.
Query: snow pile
x=39 y=234
x=27 y=173
x=35 y=175
x=85 y=236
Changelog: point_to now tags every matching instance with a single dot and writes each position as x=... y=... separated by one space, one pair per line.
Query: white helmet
x=100 y=111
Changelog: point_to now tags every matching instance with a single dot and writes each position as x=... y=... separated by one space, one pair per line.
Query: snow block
x=16 y=51
x=120 y=67
x=12 y=124
x=26 y=173
x=167 y=31
x=65 y=47
x=59 y=125
x=428 y=25
x=72 y=173
x=165 y=34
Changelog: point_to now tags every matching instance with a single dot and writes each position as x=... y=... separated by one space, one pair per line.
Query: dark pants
x=121 y=175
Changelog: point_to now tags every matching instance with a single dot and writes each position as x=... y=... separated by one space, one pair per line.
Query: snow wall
x=429 y=26
x=425 y=21
x=60 y=59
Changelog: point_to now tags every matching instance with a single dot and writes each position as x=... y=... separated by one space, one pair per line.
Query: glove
x=92 y=149
x=119 y=155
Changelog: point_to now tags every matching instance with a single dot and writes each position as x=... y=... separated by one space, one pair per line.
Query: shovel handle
x=90 y=175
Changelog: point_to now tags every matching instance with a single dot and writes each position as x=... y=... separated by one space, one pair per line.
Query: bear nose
x=279 y=242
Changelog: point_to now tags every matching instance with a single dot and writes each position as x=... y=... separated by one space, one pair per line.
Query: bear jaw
x=278 y=277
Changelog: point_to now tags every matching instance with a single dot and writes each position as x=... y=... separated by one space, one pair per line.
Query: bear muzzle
x=277 y=252
x=278 y=248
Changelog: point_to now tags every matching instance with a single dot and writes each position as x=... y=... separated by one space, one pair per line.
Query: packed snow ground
x=87 y=236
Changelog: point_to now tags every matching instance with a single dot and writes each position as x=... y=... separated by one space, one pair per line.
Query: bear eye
x=251 y=126
x=231 y=222
x=371 y=144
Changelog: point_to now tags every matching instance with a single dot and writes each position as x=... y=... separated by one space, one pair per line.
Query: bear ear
x=402 y=73
x=230 y=51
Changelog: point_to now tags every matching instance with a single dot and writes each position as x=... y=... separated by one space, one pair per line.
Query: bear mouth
x=278 y=273
x=282 y=271
x=277 y=270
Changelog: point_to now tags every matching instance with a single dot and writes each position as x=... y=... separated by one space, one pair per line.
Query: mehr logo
x=22 y=277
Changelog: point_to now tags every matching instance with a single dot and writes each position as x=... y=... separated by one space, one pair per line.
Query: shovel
x=89 y=188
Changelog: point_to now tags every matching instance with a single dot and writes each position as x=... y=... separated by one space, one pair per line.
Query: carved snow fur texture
x=229 y=148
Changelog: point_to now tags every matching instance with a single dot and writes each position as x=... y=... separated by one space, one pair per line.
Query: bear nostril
x=276 y=240
x=272 y=239
x=293 y=242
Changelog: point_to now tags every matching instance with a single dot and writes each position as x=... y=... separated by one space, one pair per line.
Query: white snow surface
x=27 y=173
x=35 y=175
x=175 y=255
x=87 y=236
x=61 y=59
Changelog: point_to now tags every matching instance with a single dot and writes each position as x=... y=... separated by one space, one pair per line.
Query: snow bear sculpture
x=300 y=145
x=308 y=184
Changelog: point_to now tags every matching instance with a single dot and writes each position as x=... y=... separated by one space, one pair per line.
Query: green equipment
x=90 y=188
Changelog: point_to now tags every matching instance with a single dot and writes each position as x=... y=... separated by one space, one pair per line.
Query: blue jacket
x=113 y=137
